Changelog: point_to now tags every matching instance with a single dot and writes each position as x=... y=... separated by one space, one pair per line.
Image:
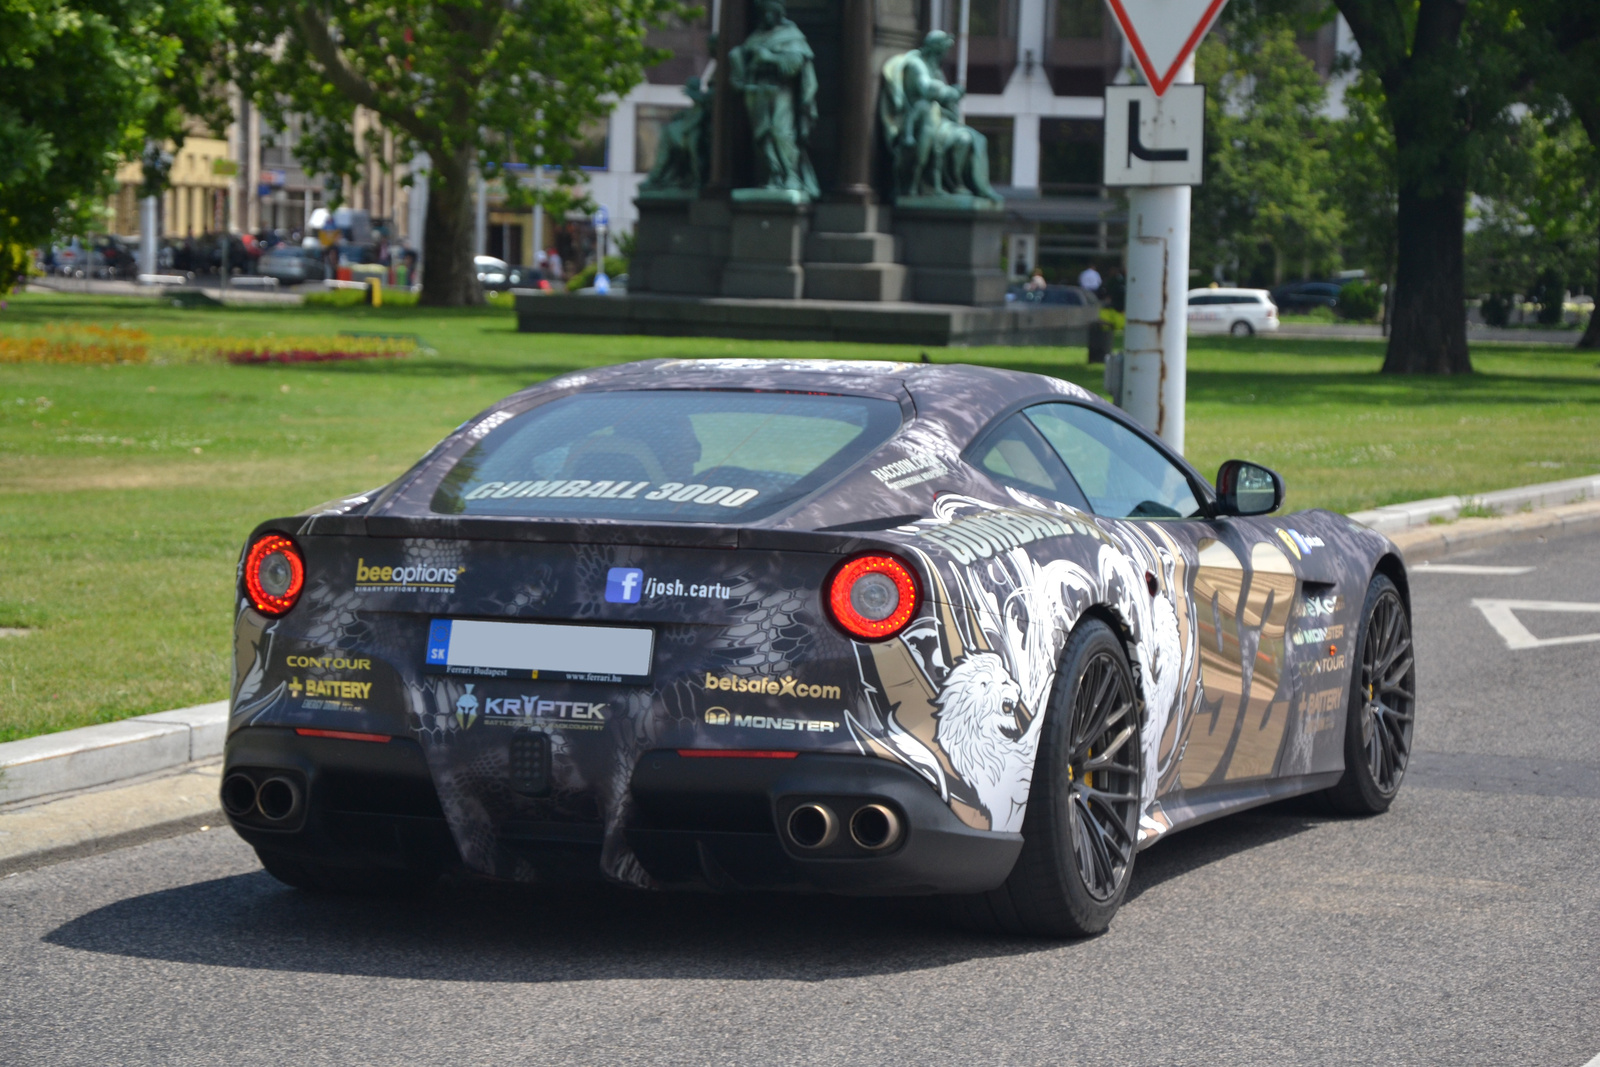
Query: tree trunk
x=449 y=278
x=1428 y=331
x=1591 y=332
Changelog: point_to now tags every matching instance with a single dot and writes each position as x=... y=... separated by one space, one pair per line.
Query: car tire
x=1062 y=884
x=1382 y=711
x=316 y=877
x=1242 y=329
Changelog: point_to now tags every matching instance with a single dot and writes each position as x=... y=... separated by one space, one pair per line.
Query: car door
x=1223 y=594
x=1205 y=316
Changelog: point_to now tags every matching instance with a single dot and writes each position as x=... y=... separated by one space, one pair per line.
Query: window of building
x=649 y=121
x=1079 y=18
x=590 y=151
x=991 y=43
x=1071 y=156
x=998 y=131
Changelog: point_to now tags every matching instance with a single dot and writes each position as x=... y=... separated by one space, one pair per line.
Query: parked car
x=864 y=628
x=1062 y=295
x=1297 y=298
x=1241 y=312
x=291 y=265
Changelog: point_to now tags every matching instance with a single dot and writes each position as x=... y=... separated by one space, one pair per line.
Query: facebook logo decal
x=624 y=585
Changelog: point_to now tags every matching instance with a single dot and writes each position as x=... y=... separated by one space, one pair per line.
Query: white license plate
x=616 y=654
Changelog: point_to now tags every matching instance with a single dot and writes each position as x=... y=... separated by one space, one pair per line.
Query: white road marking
x=1466 y=568
x=1502 y=616
x=1593 y=1063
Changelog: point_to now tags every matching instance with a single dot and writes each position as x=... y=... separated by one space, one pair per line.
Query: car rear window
x=669 y=454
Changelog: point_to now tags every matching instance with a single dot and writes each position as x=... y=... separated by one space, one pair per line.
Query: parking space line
x=1501 y=614
x=1466 y=568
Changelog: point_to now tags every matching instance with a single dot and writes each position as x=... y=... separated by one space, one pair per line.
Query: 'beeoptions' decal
x=772 y=687
x=1299 y=544
x=418 y=578
x=677 y=492
x=981 y=535
x=724 y=717
x=916 y=468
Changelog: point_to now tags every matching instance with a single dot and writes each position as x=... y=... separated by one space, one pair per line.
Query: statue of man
x=776 y=72
x=933 y=152
x=683 y=154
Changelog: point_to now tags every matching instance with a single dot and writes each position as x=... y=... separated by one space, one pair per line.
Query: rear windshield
x=677 y=455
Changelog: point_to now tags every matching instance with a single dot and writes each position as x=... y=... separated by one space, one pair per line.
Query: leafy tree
x=1562 y=41
x=473 y=83
x=83 y=84
x=1535 y=211
x=1448 y=69
x=1266 y=206
x=1362 y=162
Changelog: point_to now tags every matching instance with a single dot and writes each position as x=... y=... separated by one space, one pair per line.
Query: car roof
x=1220 y=291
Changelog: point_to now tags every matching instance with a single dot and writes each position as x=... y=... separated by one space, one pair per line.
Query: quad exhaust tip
x=238 y=795
x=813 y=826
x=278 y=799
x=875 y=827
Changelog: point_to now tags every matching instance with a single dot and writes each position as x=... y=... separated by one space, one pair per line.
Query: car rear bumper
x=695 y=822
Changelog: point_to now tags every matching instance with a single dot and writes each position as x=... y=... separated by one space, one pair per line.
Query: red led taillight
x=873 y=596
x=274 y=574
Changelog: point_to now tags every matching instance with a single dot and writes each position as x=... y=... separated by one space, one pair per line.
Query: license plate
x=615 y=654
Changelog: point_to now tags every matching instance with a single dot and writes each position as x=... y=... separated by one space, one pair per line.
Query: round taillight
x=873 y=596
x=274 y=574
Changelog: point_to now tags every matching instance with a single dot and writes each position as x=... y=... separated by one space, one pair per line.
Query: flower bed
x=76 y=344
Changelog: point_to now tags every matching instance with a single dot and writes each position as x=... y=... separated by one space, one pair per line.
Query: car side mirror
x=1245 y=488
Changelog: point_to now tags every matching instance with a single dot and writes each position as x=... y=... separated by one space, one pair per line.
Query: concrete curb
x=1394 y=517
x=1432 y=541
x=95 y=755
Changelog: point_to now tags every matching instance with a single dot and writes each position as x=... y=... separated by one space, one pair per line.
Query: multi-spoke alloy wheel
x=1382 y=711
x=1103 y=777
x=1081 y=828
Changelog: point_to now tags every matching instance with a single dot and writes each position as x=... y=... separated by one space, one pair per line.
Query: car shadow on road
x=478 y=932
x=1214 y=841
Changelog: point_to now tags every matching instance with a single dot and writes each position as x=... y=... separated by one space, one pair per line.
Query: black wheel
x=1383 y=701
x=352 y=881
x=1081 y=829
x=1242 y=329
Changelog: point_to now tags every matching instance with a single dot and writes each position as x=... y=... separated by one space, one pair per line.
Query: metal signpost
x=1153 y=144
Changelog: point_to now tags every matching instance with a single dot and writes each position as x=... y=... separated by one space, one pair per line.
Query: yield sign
x=1163 y=33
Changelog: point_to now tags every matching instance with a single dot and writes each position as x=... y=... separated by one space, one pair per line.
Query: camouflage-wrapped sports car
x=874 y=628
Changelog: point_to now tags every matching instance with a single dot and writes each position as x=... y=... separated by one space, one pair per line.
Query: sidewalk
x=1476 y=334
x=236 y=296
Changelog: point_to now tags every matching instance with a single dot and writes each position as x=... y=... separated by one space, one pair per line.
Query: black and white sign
x=1154 y=140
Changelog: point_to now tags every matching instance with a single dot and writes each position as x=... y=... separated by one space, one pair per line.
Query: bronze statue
x=934 y=154
x=775 y=71
x=683 y=157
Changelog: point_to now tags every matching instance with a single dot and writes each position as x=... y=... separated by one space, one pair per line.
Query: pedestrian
x=1036 y=283
x=555 y=265
x=1090 y=279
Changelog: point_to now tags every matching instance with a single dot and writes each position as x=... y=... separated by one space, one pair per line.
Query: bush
x=615 y=265
x=1550 y=293
x=1361 y=301
x=348 y=298
x=1496 y=309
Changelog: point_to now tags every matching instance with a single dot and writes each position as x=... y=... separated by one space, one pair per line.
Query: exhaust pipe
x=813 y=826
x=875 y=827
x=238 y=795
x=278 y=799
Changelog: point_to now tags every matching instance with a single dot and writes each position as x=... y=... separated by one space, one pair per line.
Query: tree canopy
x=476 y=84
x=1266 y=207
x=83 y=85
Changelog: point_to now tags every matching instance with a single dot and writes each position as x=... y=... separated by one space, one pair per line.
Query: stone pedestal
x=766 y=248
x=681 y=244
x=851 y=255
x=953 y=252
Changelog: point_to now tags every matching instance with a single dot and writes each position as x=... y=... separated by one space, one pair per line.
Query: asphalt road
x=1461 y=928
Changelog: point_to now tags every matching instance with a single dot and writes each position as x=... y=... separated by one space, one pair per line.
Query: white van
x=1241 y=312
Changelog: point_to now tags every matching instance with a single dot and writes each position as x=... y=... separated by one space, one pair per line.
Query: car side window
x=1016 y=455
x=1121 y=473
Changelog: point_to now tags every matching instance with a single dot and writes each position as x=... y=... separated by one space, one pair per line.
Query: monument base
x=929 y=325
x=766 y=242
x=681 y=246
x=953 y=251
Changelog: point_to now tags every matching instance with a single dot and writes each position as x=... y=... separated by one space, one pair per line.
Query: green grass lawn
x=125 y=491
